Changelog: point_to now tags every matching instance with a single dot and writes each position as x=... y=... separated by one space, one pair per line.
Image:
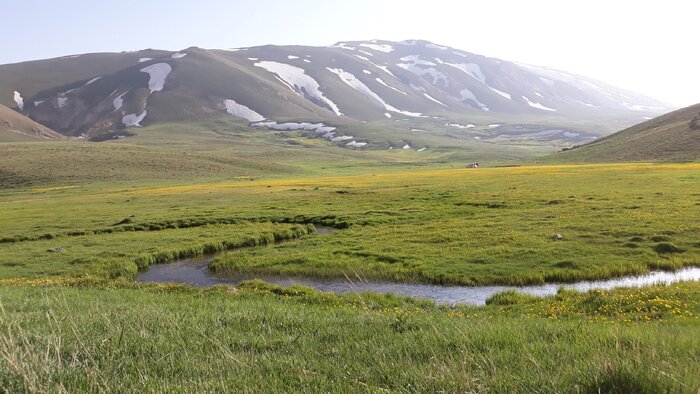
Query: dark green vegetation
x=122 y=337
x=671 y=137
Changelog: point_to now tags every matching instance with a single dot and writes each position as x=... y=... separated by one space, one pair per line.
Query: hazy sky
x=649 y=46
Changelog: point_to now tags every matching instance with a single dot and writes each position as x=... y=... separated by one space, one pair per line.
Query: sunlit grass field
x=513 y=225
x=72 y=319
x=72 y=336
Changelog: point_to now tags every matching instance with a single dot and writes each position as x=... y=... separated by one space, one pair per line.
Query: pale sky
x=647 y=46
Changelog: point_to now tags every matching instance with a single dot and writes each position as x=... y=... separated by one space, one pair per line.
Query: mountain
x=317 y=89
x=17 y=127
x=671 y=137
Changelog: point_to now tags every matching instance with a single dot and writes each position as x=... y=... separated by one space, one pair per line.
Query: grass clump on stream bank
x=121 y=254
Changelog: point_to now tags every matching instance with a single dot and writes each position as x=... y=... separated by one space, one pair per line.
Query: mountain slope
x=318 y=89
x=29 y=78
x=671 y=137
x=17 y=127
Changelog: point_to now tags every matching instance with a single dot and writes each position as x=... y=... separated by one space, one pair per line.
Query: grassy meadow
x=445 y=226
x=73 y=237
x=120 y=337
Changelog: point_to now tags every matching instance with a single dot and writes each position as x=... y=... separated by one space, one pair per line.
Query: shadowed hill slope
x=17 y=127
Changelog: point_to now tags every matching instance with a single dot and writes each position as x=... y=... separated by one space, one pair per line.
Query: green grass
x=485 y=226
x=75 y=321
x=122 y=253
x=670 y=137
x=123 y=337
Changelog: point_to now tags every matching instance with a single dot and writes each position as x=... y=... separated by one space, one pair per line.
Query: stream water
x=195 y=272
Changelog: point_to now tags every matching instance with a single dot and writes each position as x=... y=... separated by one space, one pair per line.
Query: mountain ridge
x=361 y=81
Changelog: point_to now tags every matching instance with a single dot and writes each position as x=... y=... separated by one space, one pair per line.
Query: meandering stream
x=194 y=271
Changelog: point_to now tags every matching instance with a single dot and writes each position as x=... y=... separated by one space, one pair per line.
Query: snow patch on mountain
x=461 y=126
x=365 y=52
x=18 y=100
x=588 y=104
x=433 y=46
x=343 y=45
x=414 y=63
x=298 y=82
x=158 y=73
x=433 y=99
x=118 y=102
x=381 y=81
x=133 y=119
x=637 y=107
x=178 y=55
x=38 y=102
x=386 y=48
x=92 y=80
x=62 y=101
x=383 y=68
x=537 y=105
x=292 y=57
x=466 y=94
x=355 y=144
x=415 y=59
x=435 y=74
x=367 y=72
x=352 y=81
x=317 y=127
x=504 y=94
x=241 y=111
x=418 y=88
x=342 y=138
x=407 y=146
x=471 y=69
x=145 y=59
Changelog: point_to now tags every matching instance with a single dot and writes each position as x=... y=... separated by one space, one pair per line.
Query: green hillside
x=671 y=137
